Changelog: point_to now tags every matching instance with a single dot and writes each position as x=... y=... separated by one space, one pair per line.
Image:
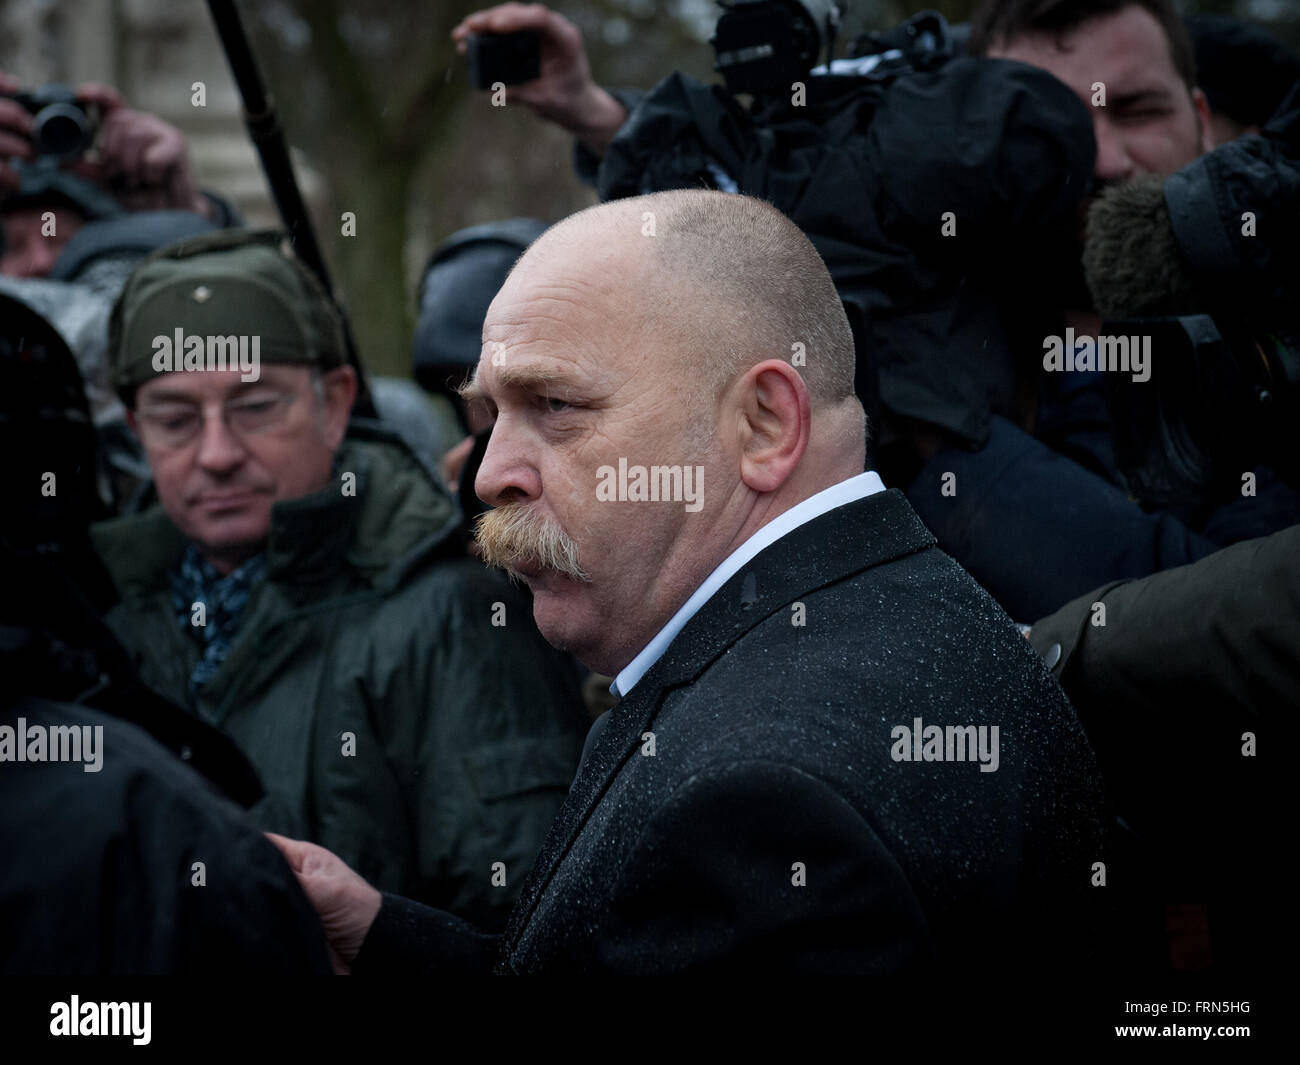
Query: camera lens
x=61 y=130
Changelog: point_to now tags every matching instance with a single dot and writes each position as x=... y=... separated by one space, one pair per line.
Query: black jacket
x=1035 y=528
x=773 y=763
x=870 y=168
x=99 y=872
x=97 y=868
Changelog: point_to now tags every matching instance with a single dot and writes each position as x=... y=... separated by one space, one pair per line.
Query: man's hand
x=142 y=160
x=15 y=134
x=346 y=904
x=563 y=92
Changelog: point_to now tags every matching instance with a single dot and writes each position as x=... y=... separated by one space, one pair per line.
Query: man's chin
x=558 y=610
x=237 y=535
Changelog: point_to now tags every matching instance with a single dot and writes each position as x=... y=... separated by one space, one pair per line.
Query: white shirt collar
x=859 y=487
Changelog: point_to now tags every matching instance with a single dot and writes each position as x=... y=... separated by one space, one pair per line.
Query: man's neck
x=226 y=562
x=723 y=565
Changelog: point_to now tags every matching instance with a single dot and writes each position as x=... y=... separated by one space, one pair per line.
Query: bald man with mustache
x=833 y=753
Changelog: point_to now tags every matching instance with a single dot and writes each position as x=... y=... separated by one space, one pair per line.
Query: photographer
x=564 y=91
x=88 y=186
x=134 y=161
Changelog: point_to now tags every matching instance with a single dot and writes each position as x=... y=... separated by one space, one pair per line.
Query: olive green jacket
x=393 y=693
x=1222 y=634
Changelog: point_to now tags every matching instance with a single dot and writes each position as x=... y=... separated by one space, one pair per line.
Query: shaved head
x=731 y=281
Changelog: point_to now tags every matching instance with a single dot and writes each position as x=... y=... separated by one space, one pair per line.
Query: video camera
x=1222 y=399
x=923 y=41
x=62 y=126
x=762 y=46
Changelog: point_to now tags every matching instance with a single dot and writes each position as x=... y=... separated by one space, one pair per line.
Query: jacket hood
x=398 y=517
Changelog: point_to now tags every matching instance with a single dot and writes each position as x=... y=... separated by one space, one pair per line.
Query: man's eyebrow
x=524 y=377
x=160 y=397
x=1140 y=96
x=242 y=388
x=265 y=381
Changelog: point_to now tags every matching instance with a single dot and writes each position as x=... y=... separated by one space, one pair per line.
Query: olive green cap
x=233 y=282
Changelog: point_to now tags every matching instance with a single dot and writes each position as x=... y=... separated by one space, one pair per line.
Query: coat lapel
x=844 y=541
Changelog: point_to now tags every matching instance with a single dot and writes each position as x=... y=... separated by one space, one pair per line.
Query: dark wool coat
x=773 y=827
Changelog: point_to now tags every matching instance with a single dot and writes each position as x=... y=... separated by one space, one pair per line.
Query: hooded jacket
x=117 y=837
x=127 y=868
x=393 y=694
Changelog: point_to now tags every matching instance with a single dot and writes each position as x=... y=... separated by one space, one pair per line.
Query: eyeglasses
x=175 y=424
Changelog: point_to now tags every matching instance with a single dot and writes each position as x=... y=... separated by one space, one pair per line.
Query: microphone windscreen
x=1130 y=256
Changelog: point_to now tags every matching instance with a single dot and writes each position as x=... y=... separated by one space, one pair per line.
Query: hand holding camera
x=15 y=133
x=142 y=160
x=555 y=82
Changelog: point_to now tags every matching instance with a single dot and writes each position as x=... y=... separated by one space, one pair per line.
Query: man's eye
x=1144 y=114
x=555 y=406
x=174 y=422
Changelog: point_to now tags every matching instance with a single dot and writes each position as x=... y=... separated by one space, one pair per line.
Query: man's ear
x=340 y=386
x=1202 y=108
x=776 y=417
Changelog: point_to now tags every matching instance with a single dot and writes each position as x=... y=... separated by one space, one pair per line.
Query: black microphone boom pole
x=263 y=122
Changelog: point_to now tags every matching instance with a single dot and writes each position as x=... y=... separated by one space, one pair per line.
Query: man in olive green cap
x=302 y=585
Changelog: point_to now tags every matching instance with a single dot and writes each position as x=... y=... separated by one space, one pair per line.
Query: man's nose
x=1113 y=162
x=219 y=449
x=506 y=474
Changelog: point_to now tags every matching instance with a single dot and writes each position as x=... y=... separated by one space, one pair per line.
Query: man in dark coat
x=834 y=753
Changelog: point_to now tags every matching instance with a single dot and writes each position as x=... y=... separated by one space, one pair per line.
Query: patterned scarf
x=223 y=599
